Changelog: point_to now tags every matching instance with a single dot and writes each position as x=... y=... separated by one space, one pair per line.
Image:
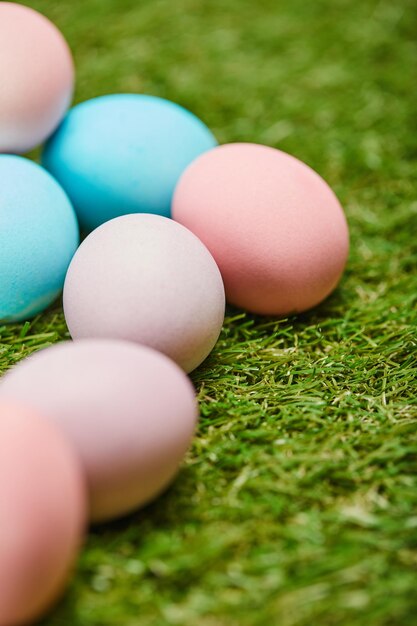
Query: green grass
x=297 y=505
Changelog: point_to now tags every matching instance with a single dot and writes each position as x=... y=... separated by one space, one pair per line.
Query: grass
x=297 y=505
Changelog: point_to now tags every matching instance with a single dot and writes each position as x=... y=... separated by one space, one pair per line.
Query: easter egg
x=42 y=513
x=274 y=227
x=124 y=153
x=38 y=237
x=147 y=279
x=37 y=77
x=129 y=411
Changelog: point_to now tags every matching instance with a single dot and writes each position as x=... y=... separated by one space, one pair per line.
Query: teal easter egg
x=38 y=238
x=124 y=153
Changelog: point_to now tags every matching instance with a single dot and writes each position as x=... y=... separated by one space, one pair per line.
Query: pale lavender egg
x=147 y=279
x=129 y=411
x=36 y=78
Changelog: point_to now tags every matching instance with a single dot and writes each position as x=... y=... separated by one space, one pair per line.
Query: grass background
x=297 y=505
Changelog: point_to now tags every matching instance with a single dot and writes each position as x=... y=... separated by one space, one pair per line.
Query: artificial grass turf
x=297 y=504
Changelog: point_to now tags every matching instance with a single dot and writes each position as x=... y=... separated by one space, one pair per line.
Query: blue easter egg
x=38 y=238
x=124 y=153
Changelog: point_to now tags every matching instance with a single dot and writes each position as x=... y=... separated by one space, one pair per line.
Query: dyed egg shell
x=37 y=77
x=129 y=411
x=38 y=237
x=274 y=227
x=42 y=513
x=146 y=279
x=123 y=154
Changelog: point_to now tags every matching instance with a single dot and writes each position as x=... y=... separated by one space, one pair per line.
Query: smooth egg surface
x=38 y=237
x=37 y=77
x=124 y=153
x=272 y=224
x=129 y=411
x=146 y=279
x=42 y=513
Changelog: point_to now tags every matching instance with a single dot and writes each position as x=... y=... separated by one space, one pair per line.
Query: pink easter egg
x=42 y=513
x=129 y=411
x=272 y=224
x=36 y=78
